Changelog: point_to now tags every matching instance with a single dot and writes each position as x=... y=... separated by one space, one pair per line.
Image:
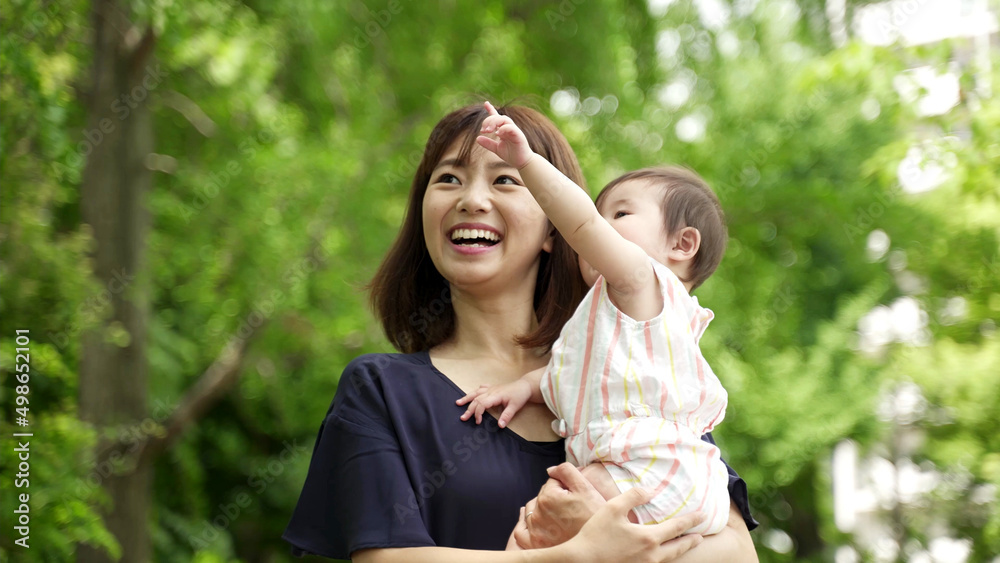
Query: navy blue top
x=394 y=466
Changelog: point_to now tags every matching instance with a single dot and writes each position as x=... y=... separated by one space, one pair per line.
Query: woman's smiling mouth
x=473 y=238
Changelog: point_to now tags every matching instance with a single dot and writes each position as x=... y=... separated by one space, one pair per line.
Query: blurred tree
x=286 y=136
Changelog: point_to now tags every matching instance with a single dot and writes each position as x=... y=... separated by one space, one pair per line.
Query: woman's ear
x=550 y=240
x=684 y=244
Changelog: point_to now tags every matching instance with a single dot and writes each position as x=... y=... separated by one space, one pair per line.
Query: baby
x=629 y=385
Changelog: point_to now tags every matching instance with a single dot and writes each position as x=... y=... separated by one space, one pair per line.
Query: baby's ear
x=684 y=244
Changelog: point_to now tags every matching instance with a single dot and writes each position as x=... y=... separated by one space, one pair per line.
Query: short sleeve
x=355 y=477
x=737 y=490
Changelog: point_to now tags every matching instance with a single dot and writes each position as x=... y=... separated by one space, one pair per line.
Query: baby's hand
x=512 y=395
x=510 y=144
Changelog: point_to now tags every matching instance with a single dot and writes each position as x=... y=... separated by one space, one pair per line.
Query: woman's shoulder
x=377 y=367
x=373 y=385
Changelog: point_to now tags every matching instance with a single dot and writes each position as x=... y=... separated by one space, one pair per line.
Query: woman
x=474 y=291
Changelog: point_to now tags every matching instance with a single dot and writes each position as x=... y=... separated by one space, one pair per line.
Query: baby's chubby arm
x=624 y=265
x=513 y=396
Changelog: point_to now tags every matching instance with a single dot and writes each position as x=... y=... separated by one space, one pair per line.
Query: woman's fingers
x=679 y=546
x=512 y=543
x=674 y=527
x=570 y=477
x=632 y=498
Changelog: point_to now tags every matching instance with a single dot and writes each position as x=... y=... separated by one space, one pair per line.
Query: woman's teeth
x=474 y=237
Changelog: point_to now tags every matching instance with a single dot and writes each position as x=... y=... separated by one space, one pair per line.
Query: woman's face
x=482 y=228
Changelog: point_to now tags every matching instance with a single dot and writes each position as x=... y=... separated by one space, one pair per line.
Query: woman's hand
x=511 y=145
x=563 y=505
x=609 y=536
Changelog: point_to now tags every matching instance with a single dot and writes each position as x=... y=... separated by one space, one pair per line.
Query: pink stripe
x=628 y=444
x=649 y=342
x=670 y=474
x=586 y=356
x=718 y=414
x=605 y=399
x=708 y=481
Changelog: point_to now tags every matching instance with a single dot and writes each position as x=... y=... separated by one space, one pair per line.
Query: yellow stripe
x=628 y=365
x=652 y=449
x=688 y=497
x=673 y=372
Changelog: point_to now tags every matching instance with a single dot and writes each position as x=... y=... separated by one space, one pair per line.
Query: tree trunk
x=113 y=364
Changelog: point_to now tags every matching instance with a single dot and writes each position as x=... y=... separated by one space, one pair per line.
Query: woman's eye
x=620 y=214
x=447 y=179
x=507 y=180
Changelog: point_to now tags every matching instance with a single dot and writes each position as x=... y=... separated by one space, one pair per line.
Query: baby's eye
x=447 y=179
x=507 y=180
x=620 y=214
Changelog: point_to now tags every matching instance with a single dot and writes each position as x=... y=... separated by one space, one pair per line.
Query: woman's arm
x=568 y=499
x=608 y=536
x=733 y=543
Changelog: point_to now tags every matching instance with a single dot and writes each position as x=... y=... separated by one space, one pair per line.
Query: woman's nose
x=475 y=198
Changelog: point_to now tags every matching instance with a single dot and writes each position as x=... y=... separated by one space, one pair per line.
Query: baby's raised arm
x=624 y=265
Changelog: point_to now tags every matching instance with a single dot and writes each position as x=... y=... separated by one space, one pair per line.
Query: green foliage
x=287 y=134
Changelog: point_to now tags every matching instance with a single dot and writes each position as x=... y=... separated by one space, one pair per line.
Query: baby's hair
x=688 y=201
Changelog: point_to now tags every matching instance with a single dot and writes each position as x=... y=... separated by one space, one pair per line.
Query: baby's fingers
x=490 y=109
x=489 y=144
x=480 y=409
x=470 y=396
x=507 y=414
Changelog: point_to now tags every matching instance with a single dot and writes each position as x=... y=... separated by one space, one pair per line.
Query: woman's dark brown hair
x=409 y=296
x=687 y=202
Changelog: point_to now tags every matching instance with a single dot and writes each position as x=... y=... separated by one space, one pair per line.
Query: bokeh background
x=194 y=193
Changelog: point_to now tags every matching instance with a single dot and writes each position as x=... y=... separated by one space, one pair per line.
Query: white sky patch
x=728 y=44
x=667 y=43
x=915 y=22
x=565 y=102
x=904 y=321
x=878 y=245
x=714 y=14
x=917 y=176
x=942 y=89
x=658 y=8
x=691 y=128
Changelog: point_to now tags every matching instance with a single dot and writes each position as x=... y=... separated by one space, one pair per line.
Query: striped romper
x=638 y=396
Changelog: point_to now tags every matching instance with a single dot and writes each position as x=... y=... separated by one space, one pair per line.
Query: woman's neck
x=485 y=328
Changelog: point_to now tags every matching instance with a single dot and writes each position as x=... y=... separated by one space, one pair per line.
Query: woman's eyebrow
x=449 y=162
x=494 y=165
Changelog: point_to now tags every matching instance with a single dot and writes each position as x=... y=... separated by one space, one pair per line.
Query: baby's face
x=634 y=209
